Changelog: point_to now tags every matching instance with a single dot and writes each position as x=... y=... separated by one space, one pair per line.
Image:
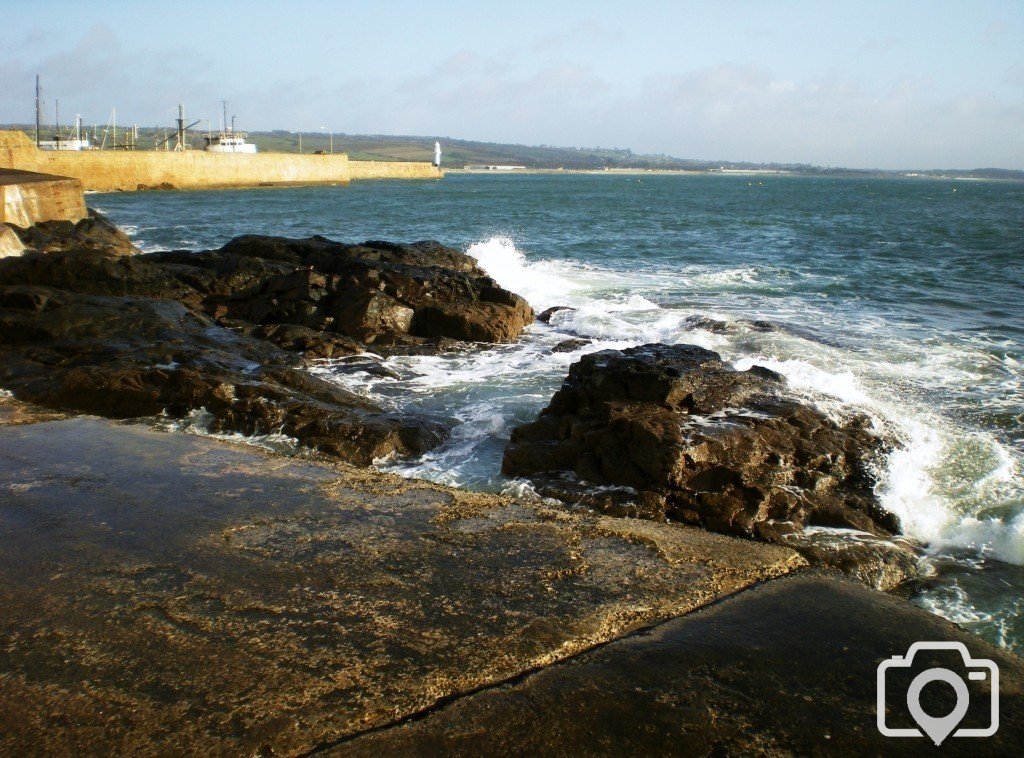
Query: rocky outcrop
x=94 y=232
x=134 y=357
x=377 y=292
x=86 y=328
x=672 y=432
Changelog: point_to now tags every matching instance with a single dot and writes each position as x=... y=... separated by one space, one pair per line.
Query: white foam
x=952 y=603
x=543 y=283
x=802 y=375
x=198 y=422
x=907 y=489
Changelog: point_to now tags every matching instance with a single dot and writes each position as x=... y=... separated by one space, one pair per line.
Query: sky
x=866 y=84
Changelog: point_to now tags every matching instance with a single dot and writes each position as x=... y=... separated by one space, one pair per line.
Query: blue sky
x=865 y=84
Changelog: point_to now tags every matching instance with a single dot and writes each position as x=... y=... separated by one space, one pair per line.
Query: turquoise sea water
x=900 y=298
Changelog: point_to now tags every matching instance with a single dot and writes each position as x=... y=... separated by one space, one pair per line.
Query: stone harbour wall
x=109 y=170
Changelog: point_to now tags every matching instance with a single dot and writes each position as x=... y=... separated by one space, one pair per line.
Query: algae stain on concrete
x=171 y=593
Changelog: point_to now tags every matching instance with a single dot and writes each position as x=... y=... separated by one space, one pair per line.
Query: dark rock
x=545 y=315
x=92 y=233
x=702 y=443
x=151 y=187
x=571 y=345
x=713 y=325
x=133 y=357
x=125 y=336
x=301 y=339
x=374 y=292
x=787 y=668
x=365 y=364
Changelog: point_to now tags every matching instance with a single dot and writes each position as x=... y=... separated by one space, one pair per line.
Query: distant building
x=493 y=167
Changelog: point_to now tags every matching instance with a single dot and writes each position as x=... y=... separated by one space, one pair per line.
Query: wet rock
x=545 y=315
x=883 y=564
x=702 y=443
x=788 y=668
x=135 y=357
x=374 y=292
x=713 y=325
x=365 y=364
x=301 y=339
x=571 y=345
x=175 y=595
x=88 y=329
x=95 y=232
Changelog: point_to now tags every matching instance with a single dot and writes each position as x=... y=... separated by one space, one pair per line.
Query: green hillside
x=460 y=153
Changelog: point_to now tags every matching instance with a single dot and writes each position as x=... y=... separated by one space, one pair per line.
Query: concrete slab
x=786 y=668
x=28 y=197
x=165 y=593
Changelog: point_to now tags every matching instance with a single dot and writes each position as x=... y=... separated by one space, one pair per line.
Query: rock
x=151 y=187
x=545 y=315
x=570 y=345
x=678 y=434
x=787 y=668
x=95 y=232
x=713 y=325
x=301 y=339
x=88 y=329
x=883 y=564
x=136 y=357
x=365 y=364
x=375 y=292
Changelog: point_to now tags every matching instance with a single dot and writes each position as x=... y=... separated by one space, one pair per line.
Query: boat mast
x=38 y=109
x=180 y=147
x=224 y=116
x=56 y=127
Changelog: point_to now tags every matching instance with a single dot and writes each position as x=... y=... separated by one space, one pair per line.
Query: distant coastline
x=457 y=154
x=752 y=172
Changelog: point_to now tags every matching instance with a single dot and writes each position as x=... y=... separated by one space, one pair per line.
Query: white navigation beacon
x=437 y=154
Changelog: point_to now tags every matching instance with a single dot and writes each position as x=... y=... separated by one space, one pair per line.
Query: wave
x=914 y=482
x=952 y=488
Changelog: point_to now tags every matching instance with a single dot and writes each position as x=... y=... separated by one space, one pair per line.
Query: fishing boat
x=228 y=141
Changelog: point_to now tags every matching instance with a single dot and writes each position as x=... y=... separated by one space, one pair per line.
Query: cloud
x=728 y=111
x=98 y=72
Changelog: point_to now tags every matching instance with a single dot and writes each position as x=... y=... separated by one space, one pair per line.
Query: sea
x=900 y=298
